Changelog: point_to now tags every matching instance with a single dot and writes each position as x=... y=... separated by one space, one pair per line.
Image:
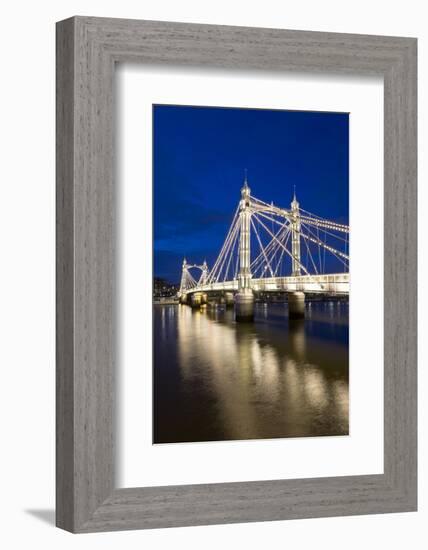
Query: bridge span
x=332 y=284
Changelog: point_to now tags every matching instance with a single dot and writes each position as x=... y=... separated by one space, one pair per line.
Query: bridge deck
x=336 y=283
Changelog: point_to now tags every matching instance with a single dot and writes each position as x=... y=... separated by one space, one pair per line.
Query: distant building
x=163 y=289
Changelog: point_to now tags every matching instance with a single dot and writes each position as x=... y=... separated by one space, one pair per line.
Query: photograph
x=250 y=274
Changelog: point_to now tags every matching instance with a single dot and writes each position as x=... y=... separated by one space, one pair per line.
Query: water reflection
x=218 y=380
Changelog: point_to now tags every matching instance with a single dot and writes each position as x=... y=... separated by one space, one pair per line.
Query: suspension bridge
x=271 y=249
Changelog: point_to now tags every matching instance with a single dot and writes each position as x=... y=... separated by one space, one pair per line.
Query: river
x=216 y=380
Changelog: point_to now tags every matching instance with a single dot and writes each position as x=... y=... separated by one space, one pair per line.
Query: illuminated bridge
x=272 y=249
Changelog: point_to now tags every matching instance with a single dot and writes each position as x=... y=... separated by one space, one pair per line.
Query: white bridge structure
x=272 y=249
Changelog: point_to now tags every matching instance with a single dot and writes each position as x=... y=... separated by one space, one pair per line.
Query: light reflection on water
x=215 y=379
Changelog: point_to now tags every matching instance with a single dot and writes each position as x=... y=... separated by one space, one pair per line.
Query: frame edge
x=75 y=499
x=65 y=98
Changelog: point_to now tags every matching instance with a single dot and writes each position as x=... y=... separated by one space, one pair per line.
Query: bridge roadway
x=336 y=283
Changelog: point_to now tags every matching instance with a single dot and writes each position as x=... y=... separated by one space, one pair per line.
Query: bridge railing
x=335 y=283
x=319 y=284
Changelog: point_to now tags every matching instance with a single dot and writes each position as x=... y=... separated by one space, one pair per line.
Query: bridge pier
x=183 y=299
x=296 y=305
x=196 y=299
x=228 y=299
x=244 y=306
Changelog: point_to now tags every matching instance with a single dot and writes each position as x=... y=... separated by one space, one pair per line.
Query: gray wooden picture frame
x=87 y=50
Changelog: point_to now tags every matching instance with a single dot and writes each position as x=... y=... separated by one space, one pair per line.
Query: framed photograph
x=236 y=274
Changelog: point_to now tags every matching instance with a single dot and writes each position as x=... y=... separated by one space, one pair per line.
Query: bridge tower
x=183 y=275
x=244 y=299
x=295 y=243
x=203 y=281
x=204 y=274
x=296 y=300
x=183 y=297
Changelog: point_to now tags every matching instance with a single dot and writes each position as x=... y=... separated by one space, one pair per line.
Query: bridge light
x=245 y=191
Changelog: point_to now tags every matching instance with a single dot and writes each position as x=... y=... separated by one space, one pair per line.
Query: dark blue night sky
x=200 y=154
